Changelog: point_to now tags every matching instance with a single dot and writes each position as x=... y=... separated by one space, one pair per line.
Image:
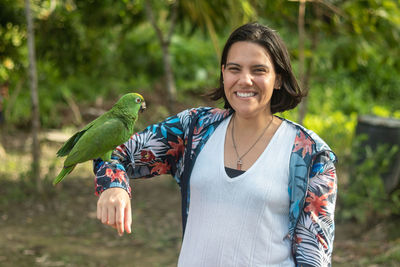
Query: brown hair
x=290 y=93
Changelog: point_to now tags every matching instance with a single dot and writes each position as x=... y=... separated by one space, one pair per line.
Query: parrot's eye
x=138 y=100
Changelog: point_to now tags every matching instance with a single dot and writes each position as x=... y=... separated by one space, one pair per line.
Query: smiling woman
x=261 y=189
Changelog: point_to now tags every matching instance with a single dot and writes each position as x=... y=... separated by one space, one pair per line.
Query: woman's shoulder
x=205 y=110
x=309 y=136
x=206 y=113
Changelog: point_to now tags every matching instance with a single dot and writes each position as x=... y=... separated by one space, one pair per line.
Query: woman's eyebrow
x=260 y=66
x=232 y=64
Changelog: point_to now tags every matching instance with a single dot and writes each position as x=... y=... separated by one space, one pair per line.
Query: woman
x=261 y=189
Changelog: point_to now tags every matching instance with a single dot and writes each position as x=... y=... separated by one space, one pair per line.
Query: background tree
x=34 y=96
x=217 y=17
x=165 y=41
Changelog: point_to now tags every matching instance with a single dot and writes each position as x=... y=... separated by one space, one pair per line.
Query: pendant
x=239 y=164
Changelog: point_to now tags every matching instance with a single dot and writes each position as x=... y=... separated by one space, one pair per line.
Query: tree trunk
x=303 y=104
x=306 y=69
x=165 y=40
x=34 y=98
x=169 y=76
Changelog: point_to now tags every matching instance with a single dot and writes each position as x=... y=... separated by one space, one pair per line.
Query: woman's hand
x=114 y=209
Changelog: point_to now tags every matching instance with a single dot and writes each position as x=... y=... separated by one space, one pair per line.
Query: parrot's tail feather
x=63 y=173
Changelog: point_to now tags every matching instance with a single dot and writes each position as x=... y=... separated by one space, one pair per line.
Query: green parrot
x=100 y=137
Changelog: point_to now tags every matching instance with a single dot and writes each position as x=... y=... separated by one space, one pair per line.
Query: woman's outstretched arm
x=156 y=150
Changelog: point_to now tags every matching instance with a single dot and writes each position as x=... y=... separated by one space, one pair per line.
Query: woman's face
x=249 y=79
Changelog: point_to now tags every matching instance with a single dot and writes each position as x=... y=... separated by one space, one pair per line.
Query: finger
x=128 y=218
x=111 y=215
x=98 y=210
x=120 y=220
x=104 y=215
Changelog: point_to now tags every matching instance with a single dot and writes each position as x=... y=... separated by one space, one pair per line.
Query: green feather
x=100 y=137
x=62 y=174
x=67 y=147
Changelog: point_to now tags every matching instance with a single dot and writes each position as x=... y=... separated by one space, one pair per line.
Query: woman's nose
x=246 y=79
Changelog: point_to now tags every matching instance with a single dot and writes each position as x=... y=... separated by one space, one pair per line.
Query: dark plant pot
x=381 y=131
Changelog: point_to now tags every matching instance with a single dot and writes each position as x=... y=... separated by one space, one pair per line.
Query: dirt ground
x=61 y=230
x=59 y=227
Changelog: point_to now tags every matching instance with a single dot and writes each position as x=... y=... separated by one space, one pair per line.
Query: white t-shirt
x=239 y=221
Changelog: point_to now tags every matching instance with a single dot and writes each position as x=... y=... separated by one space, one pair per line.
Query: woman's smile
x=246 y=94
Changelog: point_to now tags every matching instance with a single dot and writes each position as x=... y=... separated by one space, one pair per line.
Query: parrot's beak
x=142 y=106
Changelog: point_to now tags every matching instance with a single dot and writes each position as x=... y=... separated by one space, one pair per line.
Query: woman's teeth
x=245 y=94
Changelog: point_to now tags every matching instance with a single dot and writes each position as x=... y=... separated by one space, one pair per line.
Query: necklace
x=239 y=162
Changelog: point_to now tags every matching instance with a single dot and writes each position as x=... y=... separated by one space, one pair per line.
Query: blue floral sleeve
x=314 y=233
x=157 y=150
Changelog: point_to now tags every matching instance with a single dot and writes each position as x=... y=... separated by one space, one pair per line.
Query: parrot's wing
x=70 y=143
x=67 y=147
x=98 y=140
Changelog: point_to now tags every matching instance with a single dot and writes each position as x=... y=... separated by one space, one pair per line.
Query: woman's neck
x=252 y=124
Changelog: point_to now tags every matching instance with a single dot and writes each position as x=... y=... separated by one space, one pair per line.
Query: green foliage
x=363 y=198
x=382 y=112
x=194 y=71
x=12 y=37
x=390 y=256
x=140 y=57
x=365 y=51
x=105 y=49
x=333 y=126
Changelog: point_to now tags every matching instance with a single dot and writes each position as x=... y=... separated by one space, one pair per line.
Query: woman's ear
x=278 y=82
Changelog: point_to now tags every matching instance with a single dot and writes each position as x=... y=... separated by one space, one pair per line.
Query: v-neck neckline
x=221 y=150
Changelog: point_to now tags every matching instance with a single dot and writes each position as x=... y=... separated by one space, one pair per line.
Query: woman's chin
x=250 y=112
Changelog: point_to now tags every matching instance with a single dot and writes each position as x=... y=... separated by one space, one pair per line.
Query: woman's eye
x=234 y=69
x=260 y=70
